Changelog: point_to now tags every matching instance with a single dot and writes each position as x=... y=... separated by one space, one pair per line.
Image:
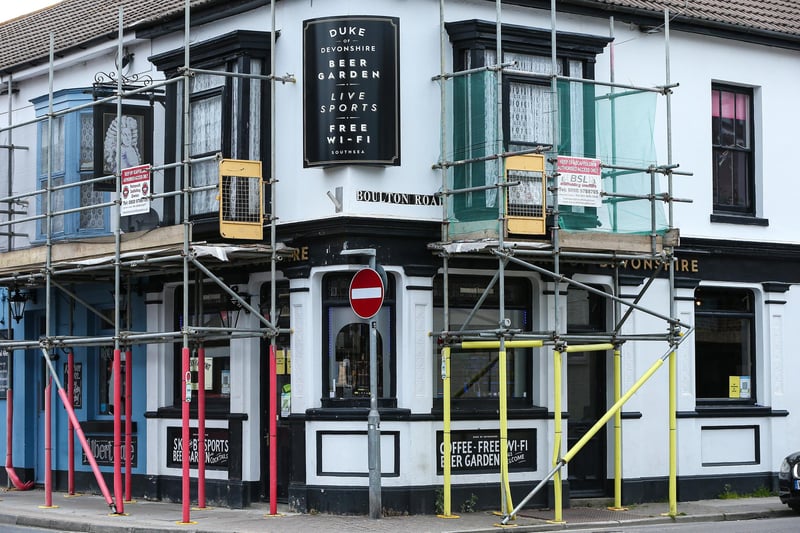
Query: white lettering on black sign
x=217 y=448
x=479 y=451
x=351 y=91
x=102 y=447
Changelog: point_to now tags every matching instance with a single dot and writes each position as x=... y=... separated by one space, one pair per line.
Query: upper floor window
x=527 y=115
x=732 y=146
x=725 y=355
x=66 y=165
x=226 y=113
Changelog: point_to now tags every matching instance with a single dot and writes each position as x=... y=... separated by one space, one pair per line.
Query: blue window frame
x=72 y=137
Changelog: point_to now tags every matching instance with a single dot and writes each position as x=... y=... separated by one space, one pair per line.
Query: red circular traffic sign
x=366 y=293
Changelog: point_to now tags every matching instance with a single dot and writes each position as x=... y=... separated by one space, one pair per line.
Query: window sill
x=743 y=220
x=467 y=412
x=732 y=411
x=356 y=413
x=211 y=413
x=350 y=403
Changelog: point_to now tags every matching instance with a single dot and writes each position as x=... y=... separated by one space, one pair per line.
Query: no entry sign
x=366 y=293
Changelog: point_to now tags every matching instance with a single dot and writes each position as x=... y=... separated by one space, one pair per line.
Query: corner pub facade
x=350 y=139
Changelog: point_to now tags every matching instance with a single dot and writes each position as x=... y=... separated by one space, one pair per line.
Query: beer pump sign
x=351 y=91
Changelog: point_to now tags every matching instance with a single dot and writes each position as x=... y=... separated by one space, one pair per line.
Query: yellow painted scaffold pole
x=446 y=496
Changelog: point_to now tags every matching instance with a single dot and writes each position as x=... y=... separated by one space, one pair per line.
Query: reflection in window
x=352 y=362
x=55 y=165
x=346 y=369
x=731 y=140
x=475 y=374
x=216 y=372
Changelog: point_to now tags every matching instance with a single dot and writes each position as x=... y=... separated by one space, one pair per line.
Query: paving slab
x=90 y=513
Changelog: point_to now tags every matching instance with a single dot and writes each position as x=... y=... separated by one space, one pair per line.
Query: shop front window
x=346 y=366
x=217 y=312
x=475 y=374
x=725 y=355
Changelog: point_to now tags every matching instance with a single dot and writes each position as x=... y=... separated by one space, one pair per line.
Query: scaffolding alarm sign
x=579 y=181
x=135 y=190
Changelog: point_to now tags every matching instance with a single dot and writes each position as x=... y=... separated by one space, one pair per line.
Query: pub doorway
x=587 y=313
x=282 y=395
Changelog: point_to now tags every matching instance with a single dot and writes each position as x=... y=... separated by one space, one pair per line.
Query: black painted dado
x=233 y=494
x=412 y=500
x=691 y=488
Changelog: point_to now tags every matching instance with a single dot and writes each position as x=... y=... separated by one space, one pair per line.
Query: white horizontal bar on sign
x=366 y=293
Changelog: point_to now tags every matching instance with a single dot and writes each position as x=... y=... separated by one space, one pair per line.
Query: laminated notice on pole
x=134 y=196
x=579 y=181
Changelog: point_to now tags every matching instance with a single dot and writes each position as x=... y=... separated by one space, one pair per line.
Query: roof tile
x=26 y=40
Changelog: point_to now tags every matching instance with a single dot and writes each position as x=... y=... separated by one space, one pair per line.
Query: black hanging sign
x=351 y=98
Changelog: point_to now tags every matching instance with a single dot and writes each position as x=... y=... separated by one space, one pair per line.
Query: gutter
x=648 y=19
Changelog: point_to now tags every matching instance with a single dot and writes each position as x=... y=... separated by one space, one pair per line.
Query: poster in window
x=132 y=132
x=351 y=91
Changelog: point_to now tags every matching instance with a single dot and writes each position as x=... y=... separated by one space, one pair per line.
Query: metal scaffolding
x=56 y=267
x=546 y=259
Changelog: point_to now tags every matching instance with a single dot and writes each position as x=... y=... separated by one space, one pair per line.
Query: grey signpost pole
x=374 y=427
x=374 y=417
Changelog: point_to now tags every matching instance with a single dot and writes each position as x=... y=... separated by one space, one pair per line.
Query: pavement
x=90 y=513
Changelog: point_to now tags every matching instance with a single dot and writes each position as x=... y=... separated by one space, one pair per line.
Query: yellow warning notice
x=734 y=386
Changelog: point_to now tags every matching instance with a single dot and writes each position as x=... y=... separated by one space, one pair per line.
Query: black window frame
x=471 y=39
x=230 y=52
x=214 y=301
x=719 y=148
x=341 y=299
x=714 y=303
x=519 y=297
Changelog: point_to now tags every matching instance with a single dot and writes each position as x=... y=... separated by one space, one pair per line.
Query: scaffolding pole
x=50 y=274
x=554 y=255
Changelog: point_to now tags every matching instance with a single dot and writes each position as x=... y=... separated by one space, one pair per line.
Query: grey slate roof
x=26 y=39
x=780 y=16
x=76 y=23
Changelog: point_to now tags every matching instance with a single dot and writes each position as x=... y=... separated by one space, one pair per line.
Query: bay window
x=227 y=114
x=528 y=108
x=70 y=161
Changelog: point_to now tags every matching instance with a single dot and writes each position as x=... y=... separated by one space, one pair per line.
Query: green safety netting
x=613 y=125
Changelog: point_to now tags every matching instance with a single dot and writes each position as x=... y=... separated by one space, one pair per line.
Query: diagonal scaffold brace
x=562 y=462
x=79 y=431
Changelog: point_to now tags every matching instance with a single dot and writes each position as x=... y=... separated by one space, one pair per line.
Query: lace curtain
x=207 y=132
